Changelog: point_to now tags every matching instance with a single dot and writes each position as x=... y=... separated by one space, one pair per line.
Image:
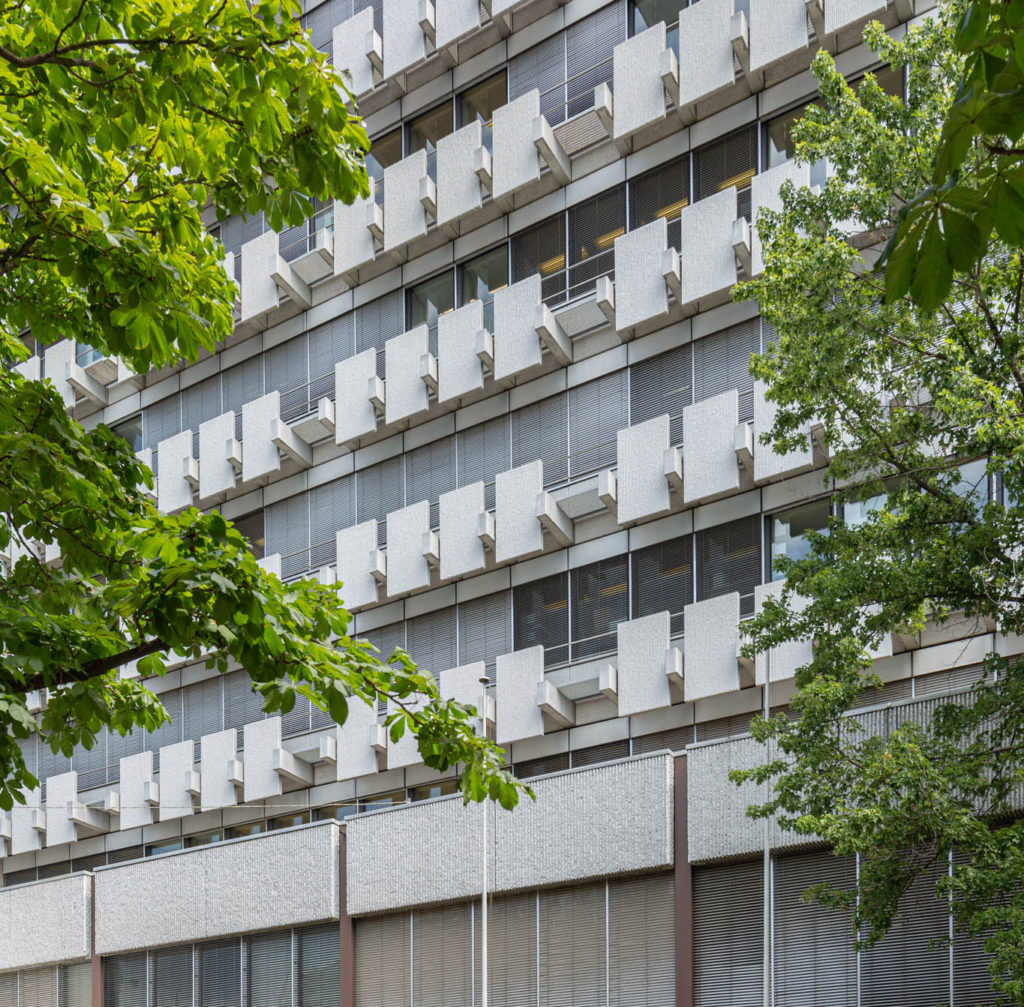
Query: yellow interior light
x=673 y=210
x=607 y=240
x=738 y=180
x=550 y=265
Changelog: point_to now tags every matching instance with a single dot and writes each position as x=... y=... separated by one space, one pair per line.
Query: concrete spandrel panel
x=517 y=532
x=405 y=217
x=455 y=18
x=463 y=683
x=404 y=43
x=840 y=13
x=712 y=636
x=637 y=85
x=216 y=473
x=177 y=763
x=354 y=545
x=267 y=882
x=56 y=360
x=643 y=490
x=136 y=780
x=705 y=50
x=780 y=662
x=260 y=455
x=46 y=922
x=709 y=447
x=777 y=29
x=459 y=370
x=353 y=241
x=356 y=754
x=25 y=837
x=767 y=463
x=766 y=193
x=217 y=754
x=354 y=413
x=707 y=260
x=458 y=186
x=173 y=490
x=60 y=792
x=406 y=392
x=407 y=569
x=517 y=346
x=640 y=292
x=517 y=676
x=350 y=48
x=643 y=644
x=462 y=552
x=259 y=289
x=259 y=742
x=516 y=161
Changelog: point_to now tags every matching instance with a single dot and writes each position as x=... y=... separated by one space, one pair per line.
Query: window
x=380 y=801
x=482 y=451
x=425 y=130
x=385 y=151
x=646 y=14
x=593 y=226
x=662 y=385
x=597 y=411
x=337 y=812
x=204 y=838
x=428 y=300
x=726 y=162
x=250 y=526
x=220 y=974
x=430 y=640
x=130 y=431
x=168 y=846
x=721 y=362
x=661 y=192
x=541 y=616
x=729 y=559
x=600 y=601
x=973 y=484
x=541 y=430
x=789 y=530
x=485 y=629
x=288 y=821
x=480 y=277
x=270 y=978
x=663 y=579
x=429 y=790
x=541 y=249
x=430 y=472
x=249 y=829
x=478 y=103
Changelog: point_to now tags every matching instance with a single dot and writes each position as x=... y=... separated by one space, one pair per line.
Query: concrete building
x=505 y=400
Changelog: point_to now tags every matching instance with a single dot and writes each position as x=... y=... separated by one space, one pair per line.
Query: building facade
x=506 y=401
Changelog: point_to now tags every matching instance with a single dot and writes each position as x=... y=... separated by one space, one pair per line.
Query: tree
x=120 y=121
x=907 y=395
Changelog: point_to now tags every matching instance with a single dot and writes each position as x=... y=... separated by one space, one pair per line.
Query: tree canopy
x=120 y=121
x=920 y=397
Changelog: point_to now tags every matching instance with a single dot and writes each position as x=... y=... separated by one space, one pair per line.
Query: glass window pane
x=663 y=579
x=379 y=801
x=220 y=974
x=600 y=601
x=249 y=829
x=130 y=430
x=729 y=559
x=172 y=977
x=385 y=151
x=789 y=531
x=541 y=616
x=541 y=249
x=287 y=821
x=647 y=13
x=270 y=970
x=423 y=132
x=480 y=101
x=250 y=526
x=593 y=228
x=428 y=300
x=728 y=161
x=319 y=967
x=480 y=277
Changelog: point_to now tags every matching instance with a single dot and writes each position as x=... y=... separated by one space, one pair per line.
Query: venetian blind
x=662 y=385
x=220 y=974
x=485 y=629
x=319 y=972
x=572 y=946
x=442 y=956
x=597 y=411
x=641 y=942
x=382 y=961
x=270 y=970
x=540 y=430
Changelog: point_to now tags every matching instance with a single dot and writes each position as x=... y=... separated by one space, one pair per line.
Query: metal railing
x=575 y=95
x=86 y=355
x=303 y=562
x=306 y=243
x=302 y=400
x=578 y=280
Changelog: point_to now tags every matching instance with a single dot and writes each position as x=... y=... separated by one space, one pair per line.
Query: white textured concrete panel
x=707 y=260
x=217 y=754
x=709 y=447
x=46 y=922
x=30 y=369
x=356 y=755
x=216 y=473
x=61 y=791
x=643 y=644
x=584 y=824
x=350 y=48
x=459 y=370
x=780 y=662
x=517 y=532
x=404 y=44
x=768 y=464
x=455 y=18
x=260 y=741
x=353 y=411
x=404 y=215
x=259 y=261
x=462 y=552
x=354 y=545
x=267 y=882
x=176 y=765
x=173 y=491
x=766 y=193
x=642 y=487
x=640 y=292
x=637 y=86
x=705 y=50
x=56 y=360
x=777 y=28
x=24 y=836
x=406 y=751
x=840 y=13
x=136 y=779
x=406 y=392
x=458 y=187
x=517 y=346
x=260 y=455
x=517 y=676
x=463 y=683
x=516 y=161
x=353 y=242
x=712 y=636
x=407 y=569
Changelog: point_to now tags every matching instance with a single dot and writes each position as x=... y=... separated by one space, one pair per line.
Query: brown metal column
x=684 y=893
x=95 y=961
x=347 y=957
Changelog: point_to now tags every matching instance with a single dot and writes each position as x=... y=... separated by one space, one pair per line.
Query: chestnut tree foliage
x=120 y=120
x=907 y=389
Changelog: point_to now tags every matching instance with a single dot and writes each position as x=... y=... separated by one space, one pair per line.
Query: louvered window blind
x=593 y=226
x=597 y=411
x=241 y=705
x=662 y=192
x=382 y=961
x=329 y=343
x=380 y=489
x=379 y=321
x=74 y=985
x=728 y=161
x=597 y=754
x=37 y=987
x=270 y=970
x=641 y=962
x=161 y=420
x=240 y=384
x=663 y=579
x=541 y=249
x=429 y=472
x=125 y=981
x=729 y=559
x=199 y=403
x=9 y=989
x=331 y=509
x=572 y=946
x=541 y=616
x=220 y=974
x=722 y=362
x=512 y=951
x=599 y=601
x=287 y=372
x=171 y=977
x=482 y=452
x=541 y=430
x=485 y=629
x=319 y=971
x=203 y=708
x=442 y=956
x=287 y=524
x=660 y=385
x=544 y=764
x=431 y=640
x=320 y=23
